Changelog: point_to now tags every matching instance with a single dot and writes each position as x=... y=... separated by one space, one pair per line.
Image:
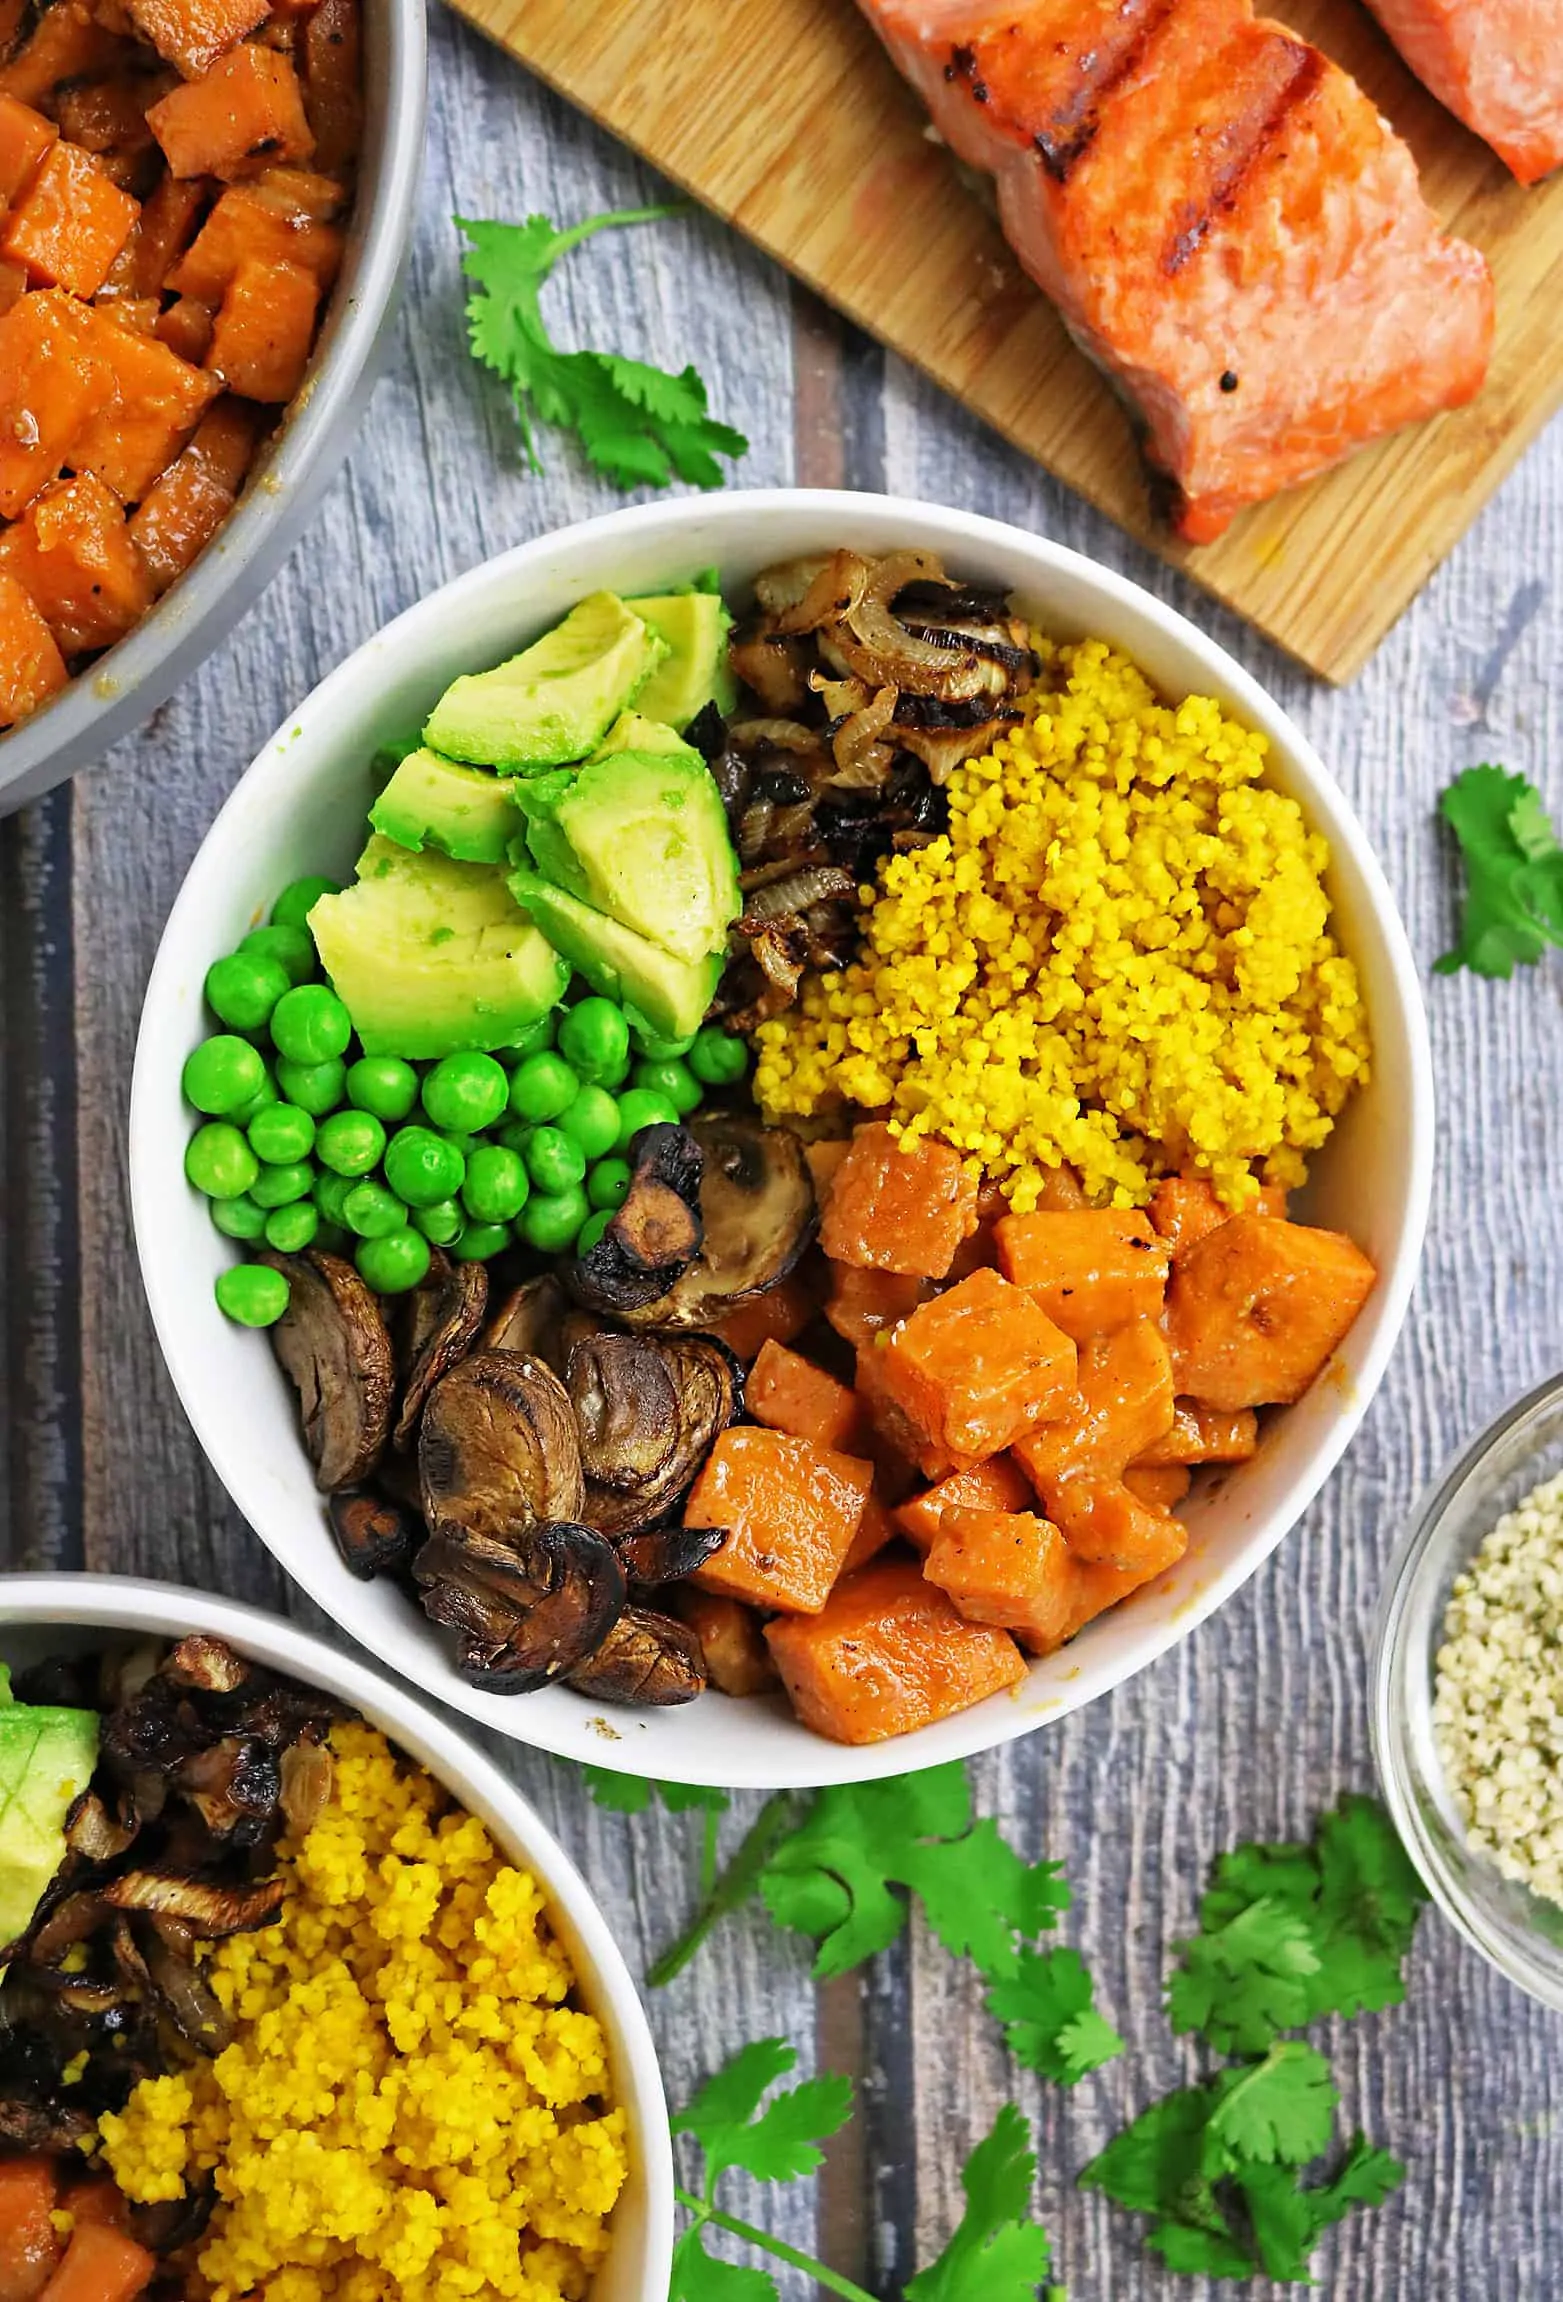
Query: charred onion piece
x=233 y=1786
x=175 y=2222
x=708 y=1384
x=210 y=1912
x=208 y=1666
x=775 y=665
x=656 y=1233
x=498 y=1452
x=375 y=1533
x=645 y=1658
x=333 y=1342
x=191 y=2006
x=668 y=1554
x=626 y=1409
x=758 y=1211
x=868 y=639
x=95 y=1834
x=308 y=1772
x=524 y=1616
x=443 y=1317
x=529 y=1319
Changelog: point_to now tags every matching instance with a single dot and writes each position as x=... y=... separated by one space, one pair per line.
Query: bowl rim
x=124 y=685
x=1390 y=1663
x=959 y=532
x=141 y=1604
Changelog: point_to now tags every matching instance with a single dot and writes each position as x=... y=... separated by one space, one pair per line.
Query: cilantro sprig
x=995 y=2254
x=639 y=424
x=1514 y=872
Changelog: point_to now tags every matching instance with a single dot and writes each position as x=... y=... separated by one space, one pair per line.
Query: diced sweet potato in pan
x=1255 y=1309
x=246 y=113
x=241 y=226
x=225 y=439
x=264 y=330
x=1203 y=1435
x=70 y=223
x=876 y=1530
x=824 y=1158
x=999 y=1484
x=169 y=216
x=789 y=1393
x=72 y=551
x=778 y=1316
x=1125 y=1406
x=895 y=1206
x=192 y=34
x=1098 y=1586
x=51 y=377
x=25 y=136
x=1007 y=1568
x=67 y=43
x=159 y=399
x=888 y=1654
x=895 y=1435
x=108 y=118
x=1102 y=1519
x=31 y=665
x=737 y=1659
x=862 y=1303
x=1159 y=1487
x=1184 y=1208
x=792 y=1509
x=978 y=1367
x=13 y=284
x=1091 y=1271
x=178 y=517
x=186 y=328
x=333 y=81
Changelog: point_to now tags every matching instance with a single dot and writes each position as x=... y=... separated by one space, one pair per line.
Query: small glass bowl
x=1520 y=1932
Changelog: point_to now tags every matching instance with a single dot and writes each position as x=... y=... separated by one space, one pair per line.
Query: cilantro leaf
x=776 y=2144
x=692 y=1798
x=1247 y=1980
x=617 y=1793
x=1049 y=2021
x=730 y=2098
x=1367 y=2176
x=1201 y=2252
x=1156 y=2165
x=701 y=2277
x=636 y=423
x=994 y=2254
x=1282 y=2108
x=1514 y=872
x=1288 y=2220
x=1370 y=1897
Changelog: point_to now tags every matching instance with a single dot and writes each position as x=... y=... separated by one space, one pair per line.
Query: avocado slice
x=46 y=1759
x=633 y=732
x=695 y=625
x=672 y=994
x=466 y=812
x=642 y=836
x=556 y=699
x=430 y=955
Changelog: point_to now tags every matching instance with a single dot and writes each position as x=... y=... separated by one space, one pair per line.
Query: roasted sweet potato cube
x=72 y=551
x=13 y=284
x=888 y=1654
x=1005 y=1567
x=50 y=379
x=301 y=195
x=108 y=118
x=778 y=1316
x=1102 y=1519
x=1124 y=1406
x=159 y=399
x=895 y=1437
x=67 y=43
x=70 y=223
x=1184 y=1208
x=169 y=215
x=1060 y=1191
x=225 y=440
x=186 y=328
x=333 y=81
x=1203 y=1435
x=792 y=1509
x=737 y=1659
x=264 y=330
x=898 y=1206
x=860 y=1303
x=876 y=1530
x=1098 y=1585
x=246 y=113
x=177 y=518
x=192 y=34
x=1256 y=1308
x=1161 y=1487
x=824 y=1158
x=789 y=1393
x=978 y=1367
x=25 y=136
x=999 y=1484
x=31 y=665
x=1091 y=1270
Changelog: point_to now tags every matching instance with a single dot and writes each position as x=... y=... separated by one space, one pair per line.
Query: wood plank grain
x=785 y=117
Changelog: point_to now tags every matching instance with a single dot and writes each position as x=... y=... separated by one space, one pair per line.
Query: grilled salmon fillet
x=1225 y=222
x=1497 y=65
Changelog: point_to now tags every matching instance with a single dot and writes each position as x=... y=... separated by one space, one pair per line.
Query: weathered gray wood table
x=1257 y=1720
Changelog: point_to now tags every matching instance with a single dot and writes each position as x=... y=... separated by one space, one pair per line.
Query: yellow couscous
x=1117 y=957
x=411 y=2110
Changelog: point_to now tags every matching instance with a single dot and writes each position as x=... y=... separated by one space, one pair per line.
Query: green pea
x=383 y=1085
x=422 y=1168
x=673 y=1079
x=242 y=989
x=542 y=1087
x=516 y=1134
x=395 y=1262
x=222 y=1074
x=239 y=1218
x=330 y=1196
x=309 y=1024
x=315 y=1087
x=550 y=1221
x=292 y=1228
x=592 y=1121
x=293 y=948
x=280 y=1133
x=658 y=1050
x=465 y=1092
x=536 y=1035
x=294 y=905
x=592 y=1230
x=496 y=1187
x=252 y=1294
x=641 y=1108
x=443 y=1222
x=280 y=1186
x=718 y=1058
x=595 y=1039
x=462 y=1145
x=372 y=1211
x=608 y=1184
x=219 y=1162
x=350 y=1142
x=262 y=1099
x=553 y=1161
x=477 y=1242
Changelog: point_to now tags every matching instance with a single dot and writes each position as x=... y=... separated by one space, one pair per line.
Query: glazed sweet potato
x=737 y=1659
x=888 y=1654
x=1184 y=1209
x=789 y=1393
x=158 y=401
x=1091 y=1271
x=876 y=1531
x=108 y=119
x=30 y=2245
x=1203 y=1435
x=895 y=1206
x=977 y=1368
x=1098 y=1586
x=177 y=518
x=67 y=43
x=192 y=34
x=1103 y=1520
x=896 y=1437
x=778 y=1316
x=50 y=379
x=824 y=1158
x=73 y=553
x=860 y=1303
x=1160 y=1487
x=13 y=284
x=70 y=223
x=1124 y=1406
x=333 y=81
x=1256 y=1308
x=245 y=114
x=264 y=331
x=31 y=665
x=1007 y=1568
x=169 y=216
x=792 y=1509
x=186 y=328
x=999 y=1484
x=25 y=136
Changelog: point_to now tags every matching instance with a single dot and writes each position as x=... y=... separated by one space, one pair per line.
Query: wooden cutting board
x=786 y=117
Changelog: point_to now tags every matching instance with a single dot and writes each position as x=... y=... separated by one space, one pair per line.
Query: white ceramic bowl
x=36 y=1609
x=301 y=808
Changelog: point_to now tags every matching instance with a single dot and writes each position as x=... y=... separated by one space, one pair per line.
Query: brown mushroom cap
x=626 y=1408
x=758 y=1214
x=645 y=1658
x=525 y=1613
x=707 y=1385
x=376 y=1534
x=656 y=1232
x=498 y=1451
x=442 y=1318
x=529 y=1319
x=333 y=1343
x=667 y=1554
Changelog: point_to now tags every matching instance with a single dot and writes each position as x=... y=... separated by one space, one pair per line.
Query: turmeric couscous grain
x=1117 y=957
x=410 y=2107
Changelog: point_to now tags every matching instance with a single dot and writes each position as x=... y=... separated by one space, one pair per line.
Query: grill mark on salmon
x=1068 y=135
x=1243 y=142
